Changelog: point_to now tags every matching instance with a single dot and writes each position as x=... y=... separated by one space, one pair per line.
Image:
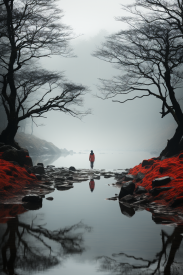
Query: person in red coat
x=92 y=158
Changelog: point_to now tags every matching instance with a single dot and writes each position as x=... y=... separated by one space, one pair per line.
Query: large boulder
x=127 y=189
x=20 y=156
x=160 y=181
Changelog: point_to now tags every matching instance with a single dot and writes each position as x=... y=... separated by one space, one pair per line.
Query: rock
x=38 y=176
x=49 y=198
x=128 y=198
x=120 y=176
x=50 y=166
x=177 y=201
x=70 y=178
x=106 y=176
x=127 y=189
x=127 y=210
x=139 y=176
x=6 y=147
x=129 y=177
x=156 y=191
x=38 y=170
x=19 y=156
x=147 y=162
x=40 y=164
x=140 y=190
x=1 y=144
x=72 y=168
x=160 y=181
x=32 y=198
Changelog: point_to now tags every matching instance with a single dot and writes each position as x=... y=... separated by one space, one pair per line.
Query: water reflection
x=32 y=247
x=167 y=261
x=127 y=211
x=92 y=184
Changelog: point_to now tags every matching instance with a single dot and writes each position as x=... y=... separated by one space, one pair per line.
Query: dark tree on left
x=29 y=31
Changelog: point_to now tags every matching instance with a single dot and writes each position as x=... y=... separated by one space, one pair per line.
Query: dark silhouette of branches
x=149 y=57
x=31 y=30
x=164 y=259
x=39 y=253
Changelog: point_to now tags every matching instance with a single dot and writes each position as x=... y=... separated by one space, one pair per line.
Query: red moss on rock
x=172 y=167
x=13 y=178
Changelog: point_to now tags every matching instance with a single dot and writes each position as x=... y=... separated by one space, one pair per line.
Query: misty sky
x=135 y=125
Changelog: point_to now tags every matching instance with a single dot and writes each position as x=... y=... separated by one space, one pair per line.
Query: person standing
x=92 y=158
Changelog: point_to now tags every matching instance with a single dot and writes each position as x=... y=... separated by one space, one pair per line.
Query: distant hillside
x=37 y=146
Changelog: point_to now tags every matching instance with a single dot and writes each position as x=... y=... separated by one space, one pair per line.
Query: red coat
x=92 y=157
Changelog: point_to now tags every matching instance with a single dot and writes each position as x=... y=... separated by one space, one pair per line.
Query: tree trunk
x=8 y=134
x=174 y=144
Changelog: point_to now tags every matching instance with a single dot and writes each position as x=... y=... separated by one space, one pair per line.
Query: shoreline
x=17 y=182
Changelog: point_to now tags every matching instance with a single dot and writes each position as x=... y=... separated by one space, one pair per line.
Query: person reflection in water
x=92 y=185
x=92 y=159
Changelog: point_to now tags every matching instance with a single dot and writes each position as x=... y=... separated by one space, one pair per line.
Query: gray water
x=80 y=232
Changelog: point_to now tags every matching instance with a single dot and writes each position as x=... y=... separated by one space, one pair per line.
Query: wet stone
x=127 y=189
x=49 y=198
x=139 y=176
x=129 y=177
x=140 y=190
x=32 y=198
x=161 y=181
x=156 y=191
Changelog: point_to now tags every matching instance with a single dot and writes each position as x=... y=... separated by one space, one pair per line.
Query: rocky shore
x=155 y=185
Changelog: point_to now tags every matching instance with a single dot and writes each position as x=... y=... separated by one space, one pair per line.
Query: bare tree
x=149 y=56
x=164 y=261
x=32 y=247
x=31 y=30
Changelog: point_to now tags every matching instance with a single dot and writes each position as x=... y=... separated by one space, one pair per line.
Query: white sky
x=90 y=17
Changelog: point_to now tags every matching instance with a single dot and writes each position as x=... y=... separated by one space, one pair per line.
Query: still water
x=80 y=232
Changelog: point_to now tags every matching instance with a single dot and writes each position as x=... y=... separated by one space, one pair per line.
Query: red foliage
x=172 y=167
x=13 y=178
x=10 y=211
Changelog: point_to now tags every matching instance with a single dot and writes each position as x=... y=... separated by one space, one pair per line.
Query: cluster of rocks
x=132 y=198
x=51 y=178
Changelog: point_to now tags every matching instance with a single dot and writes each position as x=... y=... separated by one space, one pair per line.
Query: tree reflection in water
x=34 y=248
x=164 y=262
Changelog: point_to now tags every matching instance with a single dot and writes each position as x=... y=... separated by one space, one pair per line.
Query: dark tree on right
x=149 y=55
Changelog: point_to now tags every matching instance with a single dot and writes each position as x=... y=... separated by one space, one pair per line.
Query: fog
x=135 y=125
